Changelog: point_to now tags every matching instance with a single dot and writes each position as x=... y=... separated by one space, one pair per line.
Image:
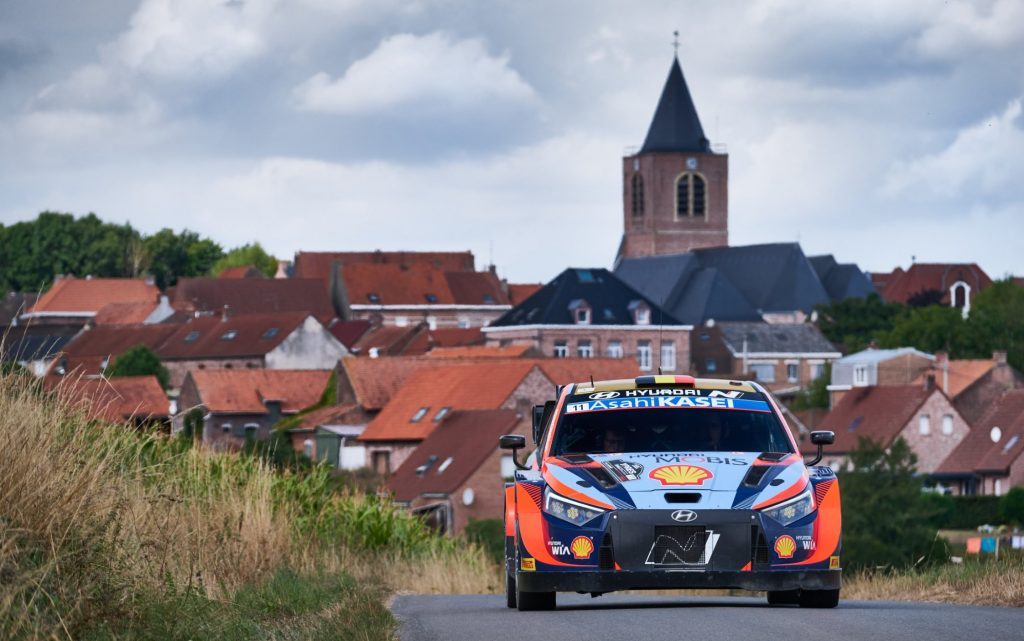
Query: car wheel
x=535 y=600
x=510 y=589
x=783 y=597
x=819 y=598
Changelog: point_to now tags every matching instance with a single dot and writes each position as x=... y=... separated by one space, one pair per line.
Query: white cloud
x=192 y=38
x=410 y=70
x=984 y=160
x=959 y=27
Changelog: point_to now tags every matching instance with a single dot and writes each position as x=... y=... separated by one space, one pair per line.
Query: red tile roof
x=876 y=413
x=387 y=340
x=900 y=286
x=206 y=336
x=253 y=296
x=978 y=452
x=481 y=385
x=86 y=353
x=319 y=264
x=80 y=296
x=455 y=450
x=418 y=284
x=124 y=313
x=243 y=271
x=476 y=288
x=334 y=415
x=118 y=399
x=375 y=380
x=243 y=391
x=562 y=371
x=519 y=292
x=348 y=332
x=481 y=351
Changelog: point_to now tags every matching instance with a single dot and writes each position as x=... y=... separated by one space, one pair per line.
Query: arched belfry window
x=638 y=195
x=691 y=195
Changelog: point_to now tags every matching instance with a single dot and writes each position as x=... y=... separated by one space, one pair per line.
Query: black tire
x=535 y=600
x=783 y=597
x=510 y=589
x=819 y=598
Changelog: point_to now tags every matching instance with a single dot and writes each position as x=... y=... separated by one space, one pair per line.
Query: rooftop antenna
x=675 y=42
x=661 y=325
x=591 y=380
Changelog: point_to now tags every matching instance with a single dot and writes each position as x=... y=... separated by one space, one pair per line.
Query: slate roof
x=765 y=338
x=244 y=391
x=253 y=296
x=118 y=399
x=876 y=413
x=13 y=305
x=320 y=264
x=736 y=283
x=869 y=356
x=608 y=296
x=902 y=285
x=676 y=126
x=86 y=296
x=34 y=342
x=452 y=453
x=841 y=280
x=978 y=452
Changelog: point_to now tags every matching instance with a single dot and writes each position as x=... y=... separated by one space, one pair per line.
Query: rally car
x=669 y=482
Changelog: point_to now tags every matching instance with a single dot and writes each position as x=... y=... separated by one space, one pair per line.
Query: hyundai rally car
x=669 y=482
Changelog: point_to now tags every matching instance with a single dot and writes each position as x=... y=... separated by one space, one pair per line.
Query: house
x=93 y=349
x=456 y=473
x=988 y=461
x=588 y=313
x=243 y=404
x=138 y=400
x=35 y=347
x=974 y=384
x=953 y=284
x=871 y=367
x=282 y=340
x=330 y=434
x=774 y=283
x=323 y=265
x=429 y=394
x=780 y=356
x=921 y=414
x=211 y=296
x=75 y=301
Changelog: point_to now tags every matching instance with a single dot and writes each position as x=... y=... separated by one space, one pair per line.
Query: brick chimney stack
x=942 y=367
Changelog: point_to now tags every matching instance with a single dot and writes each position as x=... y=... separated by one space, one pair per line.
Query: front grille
x=758 y=545
x=606 y=554
x=678 y=545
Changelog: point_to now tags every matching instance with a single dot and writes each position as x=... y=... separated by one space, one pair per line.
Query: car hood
x=720 y=480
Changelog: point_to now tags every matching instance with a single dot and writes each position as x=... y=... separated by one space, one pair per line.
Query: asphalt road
x=635 y=618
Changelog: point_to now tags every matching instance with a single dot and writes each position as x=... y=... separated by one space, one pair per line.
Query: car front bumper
x=612 y=580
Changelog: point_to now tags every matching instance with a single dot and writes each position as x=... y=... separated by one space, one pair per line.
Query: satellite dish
x=995 y=434
x=468 y=496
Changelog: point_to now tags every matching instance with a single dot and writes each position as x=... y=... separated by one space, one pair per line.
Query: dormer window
x=373 y=297
x=580 y=311
x=641 y=312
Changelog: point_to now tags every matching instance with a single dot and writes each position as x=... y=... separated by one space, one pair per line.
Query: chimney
x=942 y=365
x=225 y=313
x=282 y=269
x=999 y=357
x=929 y=382
x=1002 y=373
x=873 y=344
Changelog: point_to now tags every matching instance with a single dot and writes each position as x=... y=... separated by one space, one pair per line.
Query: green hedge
x=965 y=512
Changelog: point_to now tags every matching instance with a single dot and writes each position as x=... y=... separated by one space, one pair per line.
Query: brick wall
x=545 y=339
x=178 y=369
x=932 y=449
x=902 y=370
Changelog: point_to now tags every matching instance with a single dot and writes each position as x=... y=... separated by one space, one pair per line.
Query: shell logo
x=785 y=546
x=582 y=547
x=681 y=475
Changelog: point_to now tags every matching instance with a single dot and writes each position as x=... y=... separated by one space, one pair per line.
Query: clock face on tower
x=691 y=163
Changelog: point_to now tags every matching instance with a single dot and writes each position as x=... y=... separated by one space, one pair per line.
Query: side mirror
x=514 y=442
x=821 y=439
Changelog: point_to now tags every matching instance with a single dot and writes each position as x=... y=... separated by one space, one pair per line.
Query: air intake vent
x=755 y=475
x=682 y=497
x=603 y=478
x=576 y=459
x=758 y=546
x=606 y=554
x=773 y=456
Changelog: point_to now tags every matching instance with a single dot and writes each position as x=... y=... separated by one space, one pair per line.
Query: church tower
x=675 y=189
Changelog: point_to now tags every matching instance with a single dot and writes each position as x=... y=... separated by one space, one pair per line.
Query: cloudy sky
x=875 y=130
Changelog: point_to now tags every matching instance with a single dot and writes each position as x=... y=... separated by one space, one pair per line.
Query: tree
x=996 y=322
x=886 y=517
x=172 y=256
x=853 y=323
x=816 y=395
x=140 y=361
x=250 y=254
x=1011 y=506
x=930 y=329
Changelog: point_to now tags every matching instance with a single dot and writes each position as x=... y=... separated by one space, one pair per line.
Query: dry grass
x=972 y=583
x=95 y=520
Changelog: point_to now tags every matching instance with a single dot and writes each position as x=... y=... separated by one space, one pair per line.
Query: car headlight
x=569 y=510
x=792 y=510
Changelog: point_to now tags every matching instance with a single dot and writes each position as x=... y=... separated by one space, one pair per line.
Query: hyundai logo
x=603 y=395
x=684 y=516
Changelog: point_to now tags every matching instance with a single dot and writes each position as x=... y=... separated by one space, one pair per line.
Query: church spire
x=676 y=126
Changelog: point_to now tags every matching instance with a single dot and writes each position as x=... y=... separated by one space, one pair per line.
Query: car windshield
x=675 y=429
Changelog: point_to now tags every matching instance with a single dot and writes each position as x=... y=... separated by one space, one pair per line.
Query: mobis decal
x=625 y=470
x=681 y=475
